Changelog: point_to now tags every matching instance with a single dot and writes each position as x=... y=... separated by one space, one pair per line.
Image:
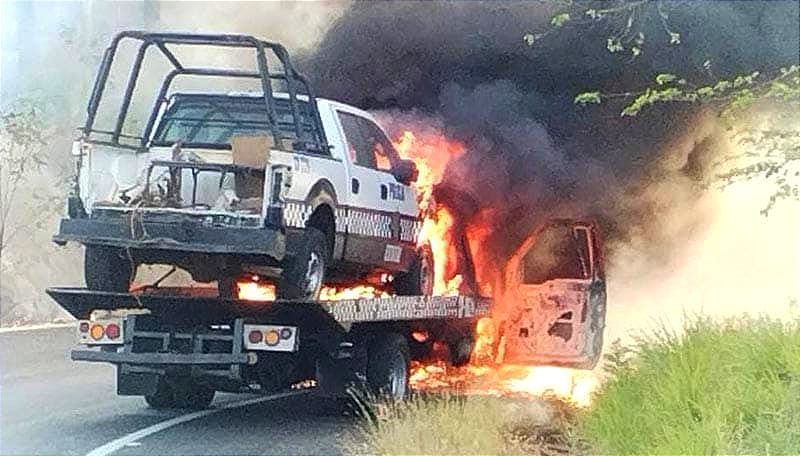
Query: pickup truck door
x=373 y=192
x=555 y=298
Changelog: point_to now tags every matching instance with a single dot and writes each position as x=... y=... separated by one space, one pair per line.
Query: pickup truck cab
x=274 y=182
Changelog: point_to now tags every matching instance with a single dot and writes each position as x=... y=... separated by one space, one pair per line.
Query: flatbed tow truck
x=177 y=350
x=305 y=192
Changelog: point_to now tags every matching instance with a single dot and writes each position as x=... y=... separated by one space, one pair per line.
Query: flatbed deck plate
x=80 y=302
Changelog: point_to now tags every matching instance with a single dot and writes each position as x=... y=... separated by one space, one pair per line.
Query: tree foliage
x=23 y=141
x=768 y=149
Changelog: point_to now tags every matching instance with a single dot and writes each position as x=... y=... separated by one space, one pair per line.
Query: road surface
x=51 y=405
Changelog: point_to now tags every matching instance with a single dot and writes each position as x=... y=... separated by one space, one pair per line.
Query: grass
x=463 y=425
x=730 y=387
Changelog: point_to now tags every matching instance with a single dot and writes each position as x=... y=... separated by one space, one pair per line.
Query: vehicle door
x=555 y=298
x=373 y=192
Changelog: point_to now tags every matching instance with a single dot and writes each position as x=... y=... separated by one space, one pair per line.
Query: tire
x=388 y=367
x=191 y=395
x=162 y=398
x=418 y=280
x=107 y=269
x=180 y=394
x=302 y=279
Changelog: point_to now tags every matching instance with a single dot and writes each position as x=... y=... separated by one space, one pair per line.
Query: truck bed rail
x=80 y=302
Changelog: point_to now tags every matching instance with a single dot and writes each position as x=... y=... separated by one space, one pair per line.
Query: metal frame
x=161 y=41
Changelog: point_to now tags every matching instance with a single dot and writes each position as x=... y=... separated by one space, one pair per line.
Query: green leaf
x=705 y=92
x=636 y=51
x=588 y=97
x=665 y=78
x=560 y=19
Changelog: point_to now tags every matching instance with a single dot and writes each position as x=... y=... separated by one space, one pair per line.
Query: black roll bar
x=160 y=42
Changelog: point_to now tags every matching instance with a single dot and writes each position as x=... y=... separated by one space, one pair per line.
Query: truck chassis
x=204 y=340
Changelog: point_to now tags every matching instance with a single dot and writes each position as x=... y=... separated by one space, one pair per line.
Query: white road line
x=13 y=329
x=125 y=440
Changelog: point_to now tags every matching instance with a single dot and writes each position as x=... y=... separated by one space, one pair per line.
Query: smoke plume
x=531 y=153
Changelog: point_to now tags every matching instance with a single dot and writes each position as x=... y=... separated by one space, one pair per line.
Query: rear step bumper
x=188 y=237
x=160 y=359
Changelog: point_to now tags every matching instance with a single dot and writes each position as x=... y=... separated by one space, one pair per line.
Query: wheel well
x=323 y=219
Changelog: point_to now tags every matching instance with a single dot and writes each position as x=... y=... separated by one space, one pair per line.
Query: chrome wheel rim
x=397 y=378
x=315 y=270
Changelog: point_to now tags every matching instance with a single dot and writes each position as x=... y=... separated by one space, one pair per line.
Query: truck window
x=366 y=143
x=559 y=252
x=214 y=119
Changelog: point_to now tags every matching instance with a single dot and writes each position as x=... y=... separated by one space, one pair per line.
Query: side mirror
x=405 y=171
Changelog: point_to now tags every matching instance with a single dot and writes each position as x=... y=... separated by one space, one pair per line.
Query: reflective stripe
x=363 y=222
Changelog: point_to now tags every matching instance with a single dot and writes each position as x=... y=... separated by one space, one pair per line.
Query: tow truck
x=307 y=191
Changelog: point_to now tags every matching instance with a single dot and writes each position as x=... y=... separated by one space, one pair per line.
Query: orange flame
x=483 y=375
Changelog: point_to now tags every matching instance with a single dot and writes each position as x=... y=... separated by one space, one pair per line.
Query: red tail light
x=112 y=331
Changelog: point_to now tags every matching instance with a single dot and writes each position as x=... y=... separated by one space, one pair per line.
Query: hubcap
x=314 y=273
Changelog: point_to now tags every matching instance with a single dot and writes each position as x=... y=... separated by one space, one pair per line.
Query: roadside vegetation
x=730 y=387
x=451 y=424
x=716 y=387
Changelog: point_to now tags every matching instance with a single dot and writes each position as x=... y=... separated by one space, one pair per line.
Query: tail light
x=100 y=332
x=271 y=338
x=112 y=331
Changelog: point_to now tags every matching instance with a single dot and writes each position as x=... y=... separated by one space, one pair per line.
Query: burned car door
x=554 y=299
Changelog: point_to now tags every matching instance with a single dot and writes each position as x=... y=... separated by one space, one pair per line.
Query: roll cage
x=295 y=84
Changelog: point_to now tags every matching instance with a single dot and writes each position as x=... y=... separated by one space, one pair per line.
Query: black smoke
x=531 y=150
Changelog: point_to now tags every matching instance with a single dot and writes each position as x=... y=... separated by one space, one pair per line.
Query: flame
x=252 y=289
x=354 y=292
x=431 y=154
x=442 y=232
x=569 y=385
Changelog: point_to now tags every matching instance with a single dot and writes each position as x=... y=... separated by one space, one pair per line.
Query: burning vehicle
x=334 y=261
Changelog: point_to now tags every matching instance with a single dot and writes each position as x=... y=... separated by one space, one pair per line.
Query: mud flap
x=136 y=383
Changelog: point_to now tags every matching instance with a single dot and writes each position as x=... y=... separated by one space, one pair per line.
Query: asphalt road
x=51 y=405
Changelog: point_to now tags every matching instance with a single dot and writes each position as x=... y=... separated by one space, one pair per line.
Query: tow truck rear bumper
x=161 y=359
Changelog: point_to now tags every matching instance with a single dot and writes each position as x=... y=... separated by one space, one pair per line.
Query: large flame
x=431 y=152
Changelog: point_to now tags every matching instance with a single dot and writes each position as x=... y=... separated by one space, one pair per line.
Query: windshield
x=212 y=120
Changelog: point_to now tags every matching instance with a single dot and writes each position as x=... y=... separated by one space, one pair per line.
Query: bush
x=716 y=388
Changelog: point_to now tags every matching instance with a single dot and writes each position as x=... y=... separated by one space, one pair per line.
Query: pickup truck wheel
x=387 y=366
x=107 y=269
x=304 y=276
x=418 y=280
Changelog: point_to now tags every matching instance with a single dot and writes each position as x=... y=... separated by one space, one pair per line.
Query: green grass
x=729 y=387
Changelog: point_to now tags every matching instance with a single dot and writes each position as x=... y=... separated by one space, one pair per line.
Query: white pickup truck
x=275 y=182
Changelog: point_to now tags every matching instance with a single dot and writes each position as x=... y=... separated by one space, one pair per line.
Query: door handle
x=355 y=186
x=384 y=192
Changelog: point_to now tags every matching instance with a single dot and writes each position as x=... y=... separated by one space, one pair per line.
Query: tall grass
x=730 y=387
x=458 y=425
